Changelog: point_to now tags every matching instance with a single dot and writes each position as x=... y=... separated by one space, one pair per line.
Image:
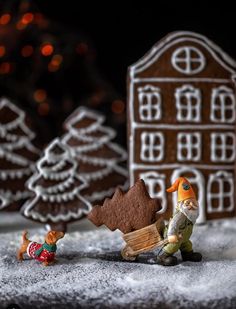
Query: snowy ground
x=91 y=274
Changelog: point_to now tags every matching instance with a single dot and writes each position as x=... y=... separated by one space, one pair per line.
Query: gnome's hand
x=173 y=239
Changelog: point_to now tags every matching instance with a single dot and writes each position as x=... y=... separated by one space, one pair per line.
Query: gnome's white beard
x=191 y=214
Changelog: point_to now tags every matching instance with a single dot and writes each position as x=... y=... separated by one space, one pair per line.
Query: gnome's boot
x=191 y=256
x=167 y=259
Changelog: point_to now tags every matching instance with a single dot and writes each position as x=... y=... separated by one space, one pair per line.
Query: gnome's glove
x=173 y=239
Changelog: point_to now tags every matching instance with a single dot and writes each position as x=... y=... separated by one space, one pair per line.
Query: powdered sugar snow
x=90 y=272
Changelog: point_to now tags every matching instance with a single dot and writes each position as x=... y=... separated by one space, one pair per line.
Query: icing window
x=189 y=147
x=188 y=103
x=149 y=103
x=222 y=147
x=220 y=190
x=188 y=60
x=155 y=184
x=152 y=147
x=223 y=105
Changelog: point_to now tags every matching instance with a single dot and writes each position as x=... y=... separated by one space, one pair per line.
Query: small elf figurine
x=180 y=227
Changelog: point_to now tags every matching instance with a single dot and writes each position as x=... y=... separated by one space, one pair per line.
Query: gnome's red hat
x=185 y=190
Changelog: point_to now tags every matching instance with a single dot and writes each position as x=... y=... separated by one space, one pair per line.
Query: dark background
x=122 y=31
x=116 y=34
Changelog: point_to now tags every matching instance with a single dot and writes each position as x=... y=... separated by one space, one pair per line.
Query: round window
x=188 y=60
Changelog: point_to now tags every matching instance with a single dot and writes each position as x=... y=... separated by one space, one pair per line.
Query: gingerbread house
x=181 y=122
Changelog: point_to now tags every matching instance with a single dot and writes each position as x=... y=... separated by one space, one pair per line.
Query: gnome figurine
x=180 y=227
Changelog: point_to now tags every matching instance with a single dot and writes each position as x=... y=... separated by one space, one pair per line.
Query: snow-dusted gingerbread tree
x=99 y=159
x=56 y=186
x=17 y=156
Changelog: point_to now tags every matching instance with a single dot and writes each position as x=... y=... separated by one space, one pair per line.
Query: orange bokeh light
x=20 y=26
x=5 y=68
x=55 y=63
x=118 y=106
x=27 y=18
x=47 y=49
x=4 y=19
x=2 y=50
x=43 y=109
x=27 y=51
x=40 y=95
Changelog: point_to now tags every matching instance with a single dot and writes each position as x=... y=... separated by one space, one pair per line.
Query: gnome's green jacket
x=180 y=224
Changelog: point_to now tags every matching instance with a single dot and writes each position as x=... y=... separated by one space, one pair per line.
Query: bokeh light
x=27 y=18
x=43 y=109
x=55 y=63
x=27 y=51
x=5 y=19
x=47 y=49
x=118 y=107
x=40 y=95
x=5 y=68
x=2 y=50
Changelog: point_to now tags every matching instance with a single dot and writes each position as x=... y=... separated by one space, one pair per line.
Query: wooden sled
x=143 y=240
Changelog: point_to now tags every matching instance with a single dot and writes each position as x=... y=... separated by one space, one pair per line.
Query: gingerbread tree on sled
x=57 y=189
x=99 y=159
x=17 y=156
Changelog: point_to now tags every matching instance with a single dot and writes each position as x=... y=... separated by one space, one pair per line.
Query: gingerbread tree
x=99 y=159
x=56 y=186
x=128 y=211
x=17 y=156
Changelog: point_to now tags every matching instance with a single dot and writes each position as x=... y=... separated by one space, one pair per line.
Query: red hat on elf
x=185 y=190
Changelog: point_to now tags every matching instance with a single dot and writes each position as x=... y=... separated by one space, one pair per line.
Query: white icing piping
x=47 y=194
x=29 y=212
x=185 y=35
x=81 y=113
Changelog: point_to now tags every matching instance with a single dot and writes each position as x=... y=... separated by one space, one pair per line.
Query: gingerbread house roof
x=155 y=53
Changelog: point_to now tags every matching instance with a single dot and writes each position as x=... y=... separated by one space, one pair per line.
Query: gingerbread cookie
x=128 y=211
x=57 y=189
x=17 y=156
x=99 y=159
x=181 y=122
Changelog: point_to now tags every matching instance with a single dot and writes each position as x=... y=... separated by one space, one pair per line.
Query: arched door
x=196 y=179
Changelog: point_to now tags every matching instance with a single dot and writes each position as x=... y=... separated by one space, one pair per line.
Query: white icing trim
x=14 y=174
x=18 y=122
x=175 y=165
x=96 y=174
x=149 y=103
x=82 y=152
x=152 y=179
x=188 y=98
x=105 y=193
x=7 y=197
x=103 y=161
x=152 y=146
x=81 y=113
x=182 y=55
x=220 y=178
x=93 y=142
x=173 y=39
x=199 y=181
x=219 y=98
x=181 y=79
x=223 y=147
x=47 y=194
x=185 y=141
x=29 y=212
x=182 y=126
